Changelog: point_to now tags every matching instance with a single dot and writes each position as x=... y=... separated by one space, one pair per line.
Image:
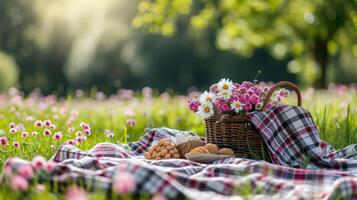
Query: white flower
x=225 y=94
x=207 y=97
x=224 y=85
x=237 y=106
x=205 y=110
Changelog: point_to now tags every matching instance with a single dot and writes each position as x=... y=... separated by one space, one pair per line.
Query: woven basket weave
x=237 y=133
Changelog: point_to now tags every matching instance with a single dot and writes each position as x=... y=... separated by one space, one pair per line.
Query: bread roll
x=226 y=151
x=212 y=148
x=199 y=150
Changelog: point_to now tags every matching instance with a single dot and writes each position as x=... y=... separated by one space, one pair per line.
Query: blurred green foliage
x=8 y=71
x=63 y=45
x=312 y=32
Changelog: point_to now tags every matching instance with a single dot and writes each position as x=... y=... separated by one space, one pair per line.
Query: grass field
x=123 y=117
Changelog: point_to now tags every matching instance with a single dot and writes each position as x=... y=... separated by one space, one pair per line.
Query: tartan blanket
x=326 y=176
x=293 y=140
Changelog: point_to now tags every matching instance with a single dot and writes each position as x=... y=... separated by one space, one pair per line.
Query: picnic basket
x=236 y=132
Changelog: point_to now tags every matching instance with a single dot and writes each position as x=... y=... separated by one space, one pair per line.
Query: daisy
x=207 y=97
x=206 y=111
x=226 y=94
x=224 y=85
x=237 y=106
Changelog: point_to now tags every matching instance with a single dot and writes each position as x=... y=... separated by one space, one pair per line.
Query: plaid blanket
x=288 y=131
x=293 y=140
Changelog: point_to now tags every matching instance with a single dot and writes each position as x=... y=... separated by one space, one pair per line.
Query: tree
x=313 y=30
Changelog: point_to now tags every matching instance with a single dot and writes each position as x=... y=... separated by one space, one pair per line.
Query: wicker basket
x=237 y=133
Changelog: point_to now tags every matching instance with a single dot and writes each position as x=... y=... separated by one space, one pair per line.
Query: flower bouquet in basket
x=224 y=108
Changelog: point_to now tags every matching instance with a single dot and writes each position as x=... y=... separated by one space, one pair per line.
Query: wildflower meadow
x=32 y=127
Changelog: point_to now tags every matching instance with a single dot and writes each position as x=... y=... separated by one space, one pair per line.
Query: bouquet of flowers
x=227 y=97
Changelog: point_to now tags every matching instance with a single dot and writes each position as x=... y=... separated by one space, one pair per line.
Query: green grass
x=335 y=115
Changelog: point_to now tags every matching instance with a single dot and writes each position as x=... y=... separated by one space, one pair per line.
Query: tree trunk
x=320 y=54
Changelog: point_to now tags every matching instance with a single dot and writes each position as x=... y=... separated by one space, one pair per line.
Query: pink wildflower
x=16 y=144
x=79 y=133
x=38 y=163
x=12 y=130
x=194 y=105
x=34 y=133
x=57 y=136
x=19 y=183
x=25 y=171
x=30 y=118
x=87 y=132
x=12 y=125
x=124 y=183
x=131 y=122
x=38 y=123
x=47 y=132
x=129 y=113
x=110 y=135
x=24 y=134
x=213 y=88
x=158 y=197
x=254 y=99
x=3 y=141
x=247 y=106
x=76 y=193
x=40 y=188
x=72 y=142
x=50 y=166
x=47 y=123
x=71 y=129
x=246 y=97
x=52 y=126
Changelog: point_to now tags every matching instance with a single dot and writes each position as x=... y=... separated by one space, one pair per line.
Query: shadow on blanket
x=289 y=131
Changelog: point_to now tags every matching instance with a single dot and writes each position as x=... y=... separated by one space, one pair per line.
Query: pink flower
x=40 y=188
x=194 y=105
x=12 y=130
x=72 y=142
x=129 y=113
x=48 y=123
x=247 y=106
x=34 y=133
x=79 y=133
x=74 y=113
x=158 y=197
x=124 y=183
x=12 y=125
x=38 y=123
x=87 y=132
x=110 y=135
x=8 y=171
x=24 y=134
x=131 y=122
x=47 y=132
x=76 y=193
x=16 y=144
x=25 y=171
x=80 y=139
x=3 y=141
x=29 y=118
x=57 y=136
x=52 y=126
x=71 y=129
x=19 y=183
x=213 y=88
x=246 y=97
x=50 y=166
x=254 y=99
x=38 y=163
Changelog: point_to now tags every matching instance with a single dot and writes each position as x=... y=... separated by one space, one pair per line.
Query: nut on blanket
x=164 y=149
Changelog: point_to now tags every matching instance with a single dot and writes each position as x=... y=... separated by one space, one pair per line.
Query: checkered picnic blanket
x=293 y=140
x=230 y=178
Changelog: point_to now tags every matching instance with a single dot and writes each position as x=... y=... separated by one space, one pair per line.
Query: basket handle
x=282 y=84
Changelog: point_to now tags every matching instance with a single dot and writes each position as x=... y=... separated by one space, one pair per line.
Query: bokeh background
x=63 y=45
